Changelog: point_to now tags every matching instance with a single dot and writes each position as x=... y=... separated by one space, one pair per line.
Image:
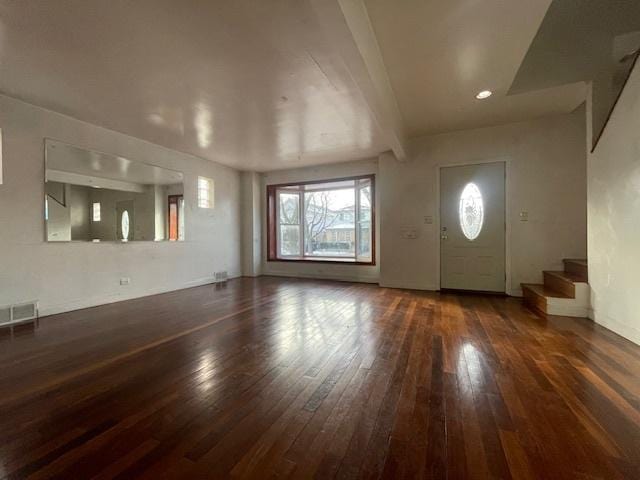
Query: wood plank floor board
x=289 y=378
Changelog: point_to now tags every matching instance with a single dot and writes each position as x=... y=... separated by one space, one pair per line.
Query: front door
x=472 y=227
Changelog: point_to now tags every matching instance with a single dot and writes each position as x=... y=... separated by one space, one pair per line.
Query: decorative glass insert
x=471 y=211
x=96 y=211
x=125 y=226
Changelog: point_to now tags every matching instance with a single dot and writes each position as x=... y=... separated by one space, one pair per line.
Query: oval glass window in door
x=124 y=225
x=471 y=211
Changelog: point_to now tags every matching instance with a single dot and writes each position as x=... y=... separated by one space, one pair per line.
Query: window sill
x=343 y=261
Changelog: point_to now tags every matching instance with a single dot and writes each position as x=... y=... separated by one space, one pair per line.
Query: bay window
x=330 y=221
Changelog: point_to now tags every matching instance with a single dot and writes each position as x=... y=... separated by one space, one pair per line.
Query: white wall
x=546 y=176
x=356 y=273
x=251 y=224
x=63 y=276
x=614 y=217
x=80 y=205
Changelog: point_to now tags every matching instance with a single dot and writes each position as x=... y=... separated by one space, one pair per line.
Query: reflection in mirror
x=91 y=196
x=595 y=41
x=609 y=80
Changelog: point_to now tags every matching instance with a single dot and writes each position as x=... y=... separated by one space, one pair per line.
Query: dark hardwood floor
x=284 y=378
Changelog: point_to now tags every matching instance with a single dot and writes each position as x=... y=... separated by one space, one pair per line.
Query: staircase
x=563 y=293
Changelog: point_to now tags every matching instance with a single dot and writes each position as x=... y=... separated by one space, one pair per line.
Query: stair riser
x=568 y=310
x=560 y=284
x=577 y=269
x=534 y=301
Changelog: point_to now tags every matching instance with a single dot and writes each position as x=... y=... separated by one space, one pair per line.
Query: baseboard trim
x=411 y=286
x=515 y=292
x=79 y=304
x=315 y=276
x=630 y=333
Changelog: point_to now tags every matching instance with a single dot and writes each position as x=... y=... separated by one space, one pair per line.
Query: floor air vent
x=221 y=276
x=5 y=315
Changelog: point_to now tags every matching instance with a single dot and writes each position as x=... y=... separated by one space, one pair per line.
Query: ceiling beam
x=347 y=25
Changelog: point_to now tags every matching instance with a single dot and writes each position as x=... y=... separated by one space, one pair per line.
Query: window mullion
x=278 y=228
x=301 y=207
x=356 y=220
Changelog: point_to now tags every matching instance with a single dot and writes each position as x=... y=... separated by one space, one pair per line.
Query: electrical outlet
x=409 y=233
x=221 y=276
x=524 y=216
x=125 y=281
x=428 y=220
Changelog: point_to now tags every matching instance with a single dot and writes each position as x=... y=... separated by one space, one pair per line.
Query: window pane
x=321 y=220
x=329 y=221
x=289 y=240
x=364 y=224
x=289 y=209
x=205 y=192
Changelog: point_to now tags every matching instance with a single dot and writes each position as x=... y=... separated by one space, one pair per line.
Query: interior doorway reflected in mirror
x=97 y=197
x=176 y=217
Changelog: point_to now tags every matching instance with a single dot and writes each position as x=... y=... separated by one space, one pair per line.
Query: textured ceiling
x=439 y=54
x=250 y=84
x=263 y=85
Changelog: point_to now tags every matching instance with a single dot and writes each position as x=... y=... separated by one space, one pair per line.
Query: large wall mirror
x=97 y=197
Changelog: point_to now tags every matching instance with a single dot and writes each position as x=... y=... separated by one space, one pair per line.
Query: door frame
x=507 y=215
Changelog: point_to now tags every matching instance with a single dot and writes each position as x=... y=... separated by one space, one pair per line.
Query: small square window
x=205 y=192
x=96 y=212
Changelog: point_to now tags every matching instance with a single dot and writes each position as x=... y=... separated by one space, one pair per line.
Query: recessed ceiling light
x=484 y=94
